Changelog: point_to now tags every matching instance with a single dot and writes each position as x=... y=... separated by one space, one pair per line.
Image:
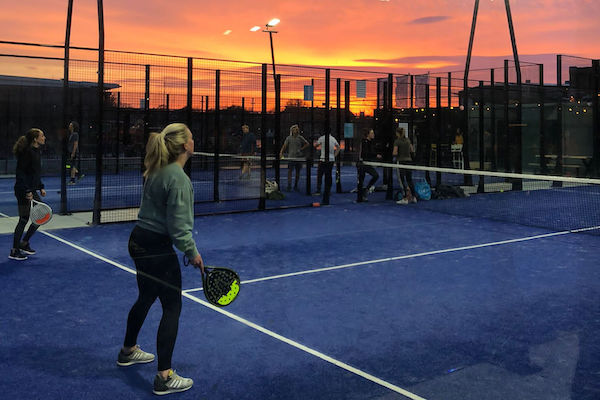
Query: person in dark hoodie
x=28 y=182
x=368 y=153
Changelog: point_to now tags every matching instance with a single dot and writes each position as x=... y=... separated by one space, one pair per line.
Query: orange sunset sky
x=396 y=35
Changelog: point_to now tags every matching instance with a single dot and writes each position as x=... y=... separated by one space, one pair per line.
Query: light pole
x=268 y=29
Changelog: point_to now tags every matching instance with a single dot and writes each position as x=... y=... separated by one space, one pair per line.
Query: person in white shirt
x=326 y=161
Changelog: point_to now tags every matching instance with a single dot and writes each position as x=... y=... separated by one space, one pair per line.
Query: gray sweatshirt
x=168 y=207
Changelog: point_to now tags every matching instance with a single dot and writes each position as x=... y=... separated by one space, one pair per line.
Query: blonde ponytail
x=164 y=148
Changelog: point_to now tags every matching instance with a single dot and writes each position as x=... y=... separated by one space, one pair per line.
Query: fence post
x=277 y=128
x=188 y=108
x=326 y=169
x=217 y=134
x=262 y=203
x=99 y=137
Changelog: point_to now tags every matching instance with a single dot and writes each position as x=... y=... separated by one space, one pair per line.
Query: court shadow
x=77 y=367
x=586 y=380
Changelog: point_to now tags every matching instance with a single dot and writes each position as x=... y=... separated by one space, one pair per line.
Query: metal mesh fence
x=491 y=123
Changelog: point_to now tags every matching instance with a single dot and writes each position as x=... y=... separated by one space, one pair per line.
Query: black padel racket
x=40 y=213
x=221 y=285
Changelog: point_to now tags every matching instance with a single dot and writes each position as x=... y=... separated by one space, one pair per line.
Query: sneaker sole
x=162 y=393
x=128 y=363
x=30 y=253
x=17 y=258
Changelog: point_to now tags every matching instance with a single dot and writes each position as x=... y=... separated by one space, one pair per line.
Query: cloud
x=430 y=20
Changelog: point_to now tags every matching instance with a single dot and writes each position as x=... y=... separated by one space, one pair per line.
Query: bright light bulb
x=227 y=32
x=255 y=28
x=273 y=22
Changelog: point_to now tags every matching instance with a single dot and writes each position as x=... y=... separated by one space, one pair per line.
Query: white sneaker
x=173 y=384
x=402 y=201
x=137 y=356
x=371 y=189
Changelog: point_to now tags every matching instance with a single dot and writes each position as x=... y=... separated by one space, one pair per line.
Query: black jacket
x=368 y=151
x=29 y=169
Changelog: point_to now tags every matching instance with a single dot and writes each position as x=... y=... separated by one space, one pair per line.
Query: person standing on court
x=166 y=218
x=247 y=148
x=295 y=145
x=27 y=183
x=402 y=154
x=73 y=148
x=326 y=161
x=368 y=153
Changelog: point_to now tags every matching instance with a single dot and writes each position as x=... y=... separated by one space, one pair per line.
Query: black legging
x=158 y=275
x=24 y=210
x=405 y=178
x=371 y=171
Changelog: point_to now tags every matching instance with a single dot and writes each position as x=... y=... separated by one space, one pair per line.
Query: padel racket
x=221 y=286
x=40 y=213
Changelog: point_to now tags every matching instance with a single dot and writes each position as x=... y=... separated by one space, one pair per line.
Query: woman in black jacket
x=28 y=182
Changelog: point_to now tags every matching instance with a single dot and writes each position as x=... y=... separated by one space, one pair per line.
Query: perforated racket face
x=40 y=213
x=221 y=286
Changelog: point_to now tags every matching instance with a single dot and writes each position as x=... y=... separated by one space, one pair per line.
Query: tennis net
x=553 y=202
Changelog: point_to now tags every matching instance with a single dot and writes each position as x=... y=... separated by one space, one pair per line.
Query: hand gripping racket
x=221 y=285
x=40 y=213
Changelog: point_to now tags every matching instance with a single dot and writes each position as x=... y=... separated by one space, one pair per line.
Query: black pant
x=369 y=170
x=297 y=166
x=324 y=168
x=405 y=178
x=24 y=210
x=158 y=275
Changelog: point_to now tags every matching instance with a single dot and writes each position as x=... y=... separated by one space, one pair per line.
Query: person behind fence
x=294 y=145
x=402 y=153
x=27 y=184
x=165 y=218
x=326 y=164
x=368 y=153
x=247 y=148
x=73 y=163
x=458 y=138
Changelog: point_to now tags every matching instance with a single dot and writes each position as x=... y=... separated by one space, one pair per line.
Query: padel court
x=354 y=301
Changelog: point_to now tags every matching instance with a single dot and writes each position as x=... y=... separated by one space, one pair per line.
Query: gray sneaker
x=137 y=356
x=173 y=384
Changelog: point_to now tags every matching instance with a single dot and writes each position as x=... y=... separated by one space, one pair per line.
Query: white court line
x=427 y=253
x=259 y=328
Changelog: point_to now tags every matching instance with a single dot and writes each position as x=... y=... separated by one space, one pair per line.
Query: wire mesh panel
x=557 y=203
x=496 y=124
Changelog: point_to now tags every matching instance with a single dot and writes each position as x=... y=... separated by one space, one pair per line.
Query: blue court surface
x=124 y=190
x=354 y=301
